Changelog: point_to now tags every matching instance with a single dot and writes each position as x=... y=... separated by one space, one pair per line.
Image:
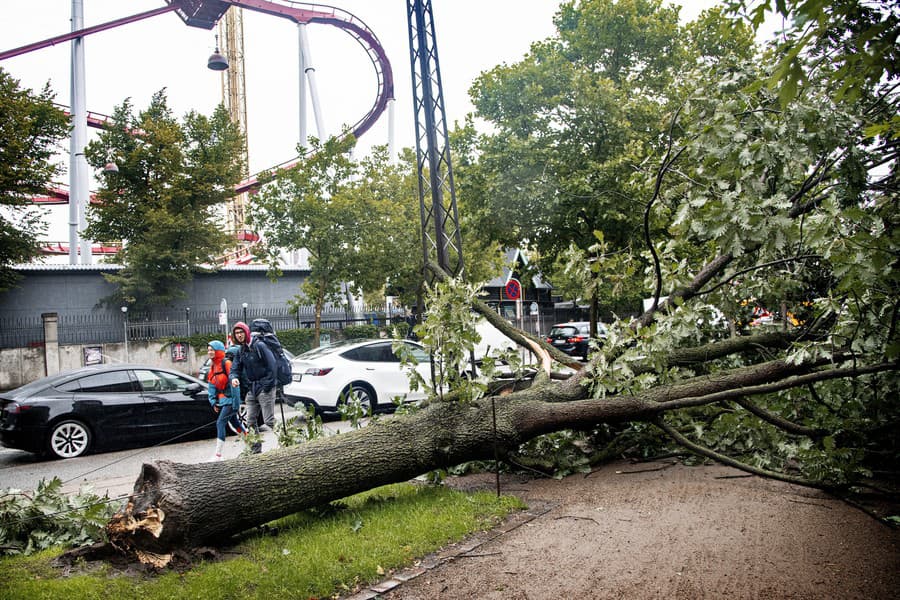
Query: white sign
x=223 y=312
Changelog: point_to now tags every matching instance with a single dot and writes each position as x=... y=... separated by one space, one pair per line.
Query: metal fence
x=110 y=327
x=21 y=333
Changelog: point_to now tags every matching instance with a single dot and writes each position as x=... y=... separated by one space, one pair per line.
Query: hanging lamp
x=217 y=60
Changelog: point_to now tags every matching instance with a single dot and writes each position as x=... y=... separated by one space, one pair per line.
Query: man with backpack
x=256 y=364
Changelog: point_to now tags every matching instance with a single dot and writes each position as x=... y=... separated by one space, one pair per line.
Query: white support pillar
x=391 y=142
x=78 y=184
x=304 y=134
x=313 y=87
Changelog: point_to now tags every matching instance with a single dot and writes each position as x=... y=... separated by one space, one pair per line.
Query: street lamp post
x=244 y=306
x=125 y=325
x=187 y=316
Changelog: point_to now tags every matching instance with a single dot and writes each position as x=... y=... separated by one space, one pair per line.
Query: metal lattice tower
x=441 y=240
x=234 y=95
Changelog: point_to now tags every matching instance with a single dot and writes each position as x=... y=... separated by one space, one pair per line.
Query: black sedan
x=573 y=338
x=105 y=407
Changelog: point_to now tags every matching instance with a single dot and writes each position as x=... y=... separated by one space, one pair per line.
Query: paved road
x=114 y=473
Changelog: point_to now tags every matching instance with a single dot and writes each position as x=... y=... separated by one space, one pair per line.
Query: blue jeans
x=226 y=414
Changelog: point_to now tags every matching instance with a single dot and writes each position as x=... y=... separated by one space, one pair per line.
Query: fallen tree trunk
x=177 y=506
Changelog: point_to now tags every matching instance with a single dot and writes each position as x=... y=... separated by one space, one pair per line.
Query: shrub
x=361 y=332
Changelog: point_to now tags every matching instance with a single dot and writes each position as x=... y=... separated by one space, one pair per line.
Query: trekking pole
x=283 y=423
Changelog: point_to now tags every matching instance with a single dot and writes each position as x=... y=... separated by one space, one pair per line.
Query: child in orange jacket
x=225 y=399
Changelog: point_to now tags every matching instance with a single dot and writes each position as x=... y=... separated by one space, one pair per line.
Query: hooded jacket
x=219 y=388
x=255 y=363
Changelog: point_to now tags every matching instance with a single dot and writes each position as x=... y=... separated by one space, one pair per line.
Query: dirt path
x=627 y=531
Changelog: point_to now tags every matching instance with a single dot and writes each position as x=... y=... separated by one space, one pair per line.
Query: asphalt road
x=114 y=473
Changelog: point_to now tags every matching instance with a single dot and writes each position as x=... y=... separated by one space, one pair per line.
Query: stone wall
x=19 y=366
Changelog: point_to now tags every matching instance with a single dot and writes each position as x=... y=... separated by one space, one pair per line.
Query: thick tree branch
x=685 y=398
x=710 y=270
x=687 y=357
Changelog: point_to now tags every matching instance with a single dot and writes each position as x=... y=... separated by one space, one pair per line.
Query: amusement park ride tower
x=234 y=95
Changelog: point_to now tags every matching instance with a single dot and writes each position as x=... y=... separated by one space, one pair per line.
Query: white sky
x=138 y=59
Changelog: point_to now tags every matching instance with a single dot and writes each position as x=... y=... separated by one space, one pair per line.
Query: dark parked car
x=104 y=407
x=573 y=338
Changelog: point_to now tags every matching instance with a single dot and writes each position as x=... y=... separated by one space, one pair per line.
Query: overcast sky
x=138 y=59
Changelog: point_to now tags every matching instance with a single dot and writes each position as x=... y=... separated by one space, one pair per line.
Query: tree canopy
x=357 y=221
x=576 y=119
x=166 y=200
x=31 y=128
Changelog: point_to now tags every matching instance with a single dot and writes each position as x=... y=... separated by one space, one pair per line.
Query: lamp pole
x=244 y=307
x=187 y=315
x=125 y=326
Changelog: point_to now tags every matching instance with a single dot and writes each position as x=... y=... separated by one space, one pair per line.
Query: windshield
x=563 y=331
x=326 y=350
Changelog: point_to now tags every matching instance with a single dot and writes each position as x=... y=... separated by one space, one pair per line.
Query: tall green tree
x=166 y=202
x=391 y=252
x=576 y=119
x=31 y=128
x=354 y=220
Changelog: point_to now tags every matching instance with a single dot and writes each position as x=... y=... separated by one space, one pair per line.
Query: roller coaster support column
x=437 y=198
x=308 y=74
x=304 y=132
x=78 y=175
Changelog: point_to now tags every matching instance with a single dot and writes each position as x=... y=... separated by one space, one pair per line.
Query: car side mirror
x=192 y=389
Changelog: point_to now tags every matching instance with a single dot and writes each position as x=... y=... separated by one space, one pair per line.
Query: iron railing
x=109 y=327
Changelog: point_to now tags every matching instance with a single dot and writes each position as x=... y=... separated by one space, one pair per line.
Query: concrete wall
x=19 y=366
x=78 y=290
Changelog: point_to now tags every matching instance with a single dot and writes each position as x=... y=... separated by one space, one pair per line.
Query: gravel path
x=662 y=530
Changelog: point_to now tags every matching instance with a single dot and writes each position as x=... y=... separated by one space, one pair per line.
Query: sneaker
x=215 y=458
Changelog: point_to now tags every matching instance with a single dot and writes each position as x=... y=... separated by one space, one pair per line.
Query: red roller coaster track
x=205 y=14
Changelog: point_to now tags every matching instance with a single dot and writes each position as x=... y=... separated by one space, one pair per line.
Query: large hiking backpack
x=283 y=370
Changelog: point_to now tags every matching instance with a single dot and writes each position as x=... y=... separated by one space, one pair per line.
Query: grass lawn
x=314 y=554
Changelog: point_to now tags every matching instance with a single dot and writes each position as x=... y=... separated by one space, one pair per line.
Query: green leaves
x=450 y=333
x=31 y=128
x=356 y=220
x=38 y=520
x=166 y=198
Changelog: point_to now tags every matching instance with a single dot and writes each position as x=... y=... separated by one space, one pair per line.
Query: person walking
x=256 y=364
x=231 y=354
x=224 y=398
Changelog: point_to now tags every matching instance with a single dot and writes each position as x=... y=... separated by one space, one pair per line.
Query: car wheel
x=69 y=439
x=242 y=417
x=361 y=392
